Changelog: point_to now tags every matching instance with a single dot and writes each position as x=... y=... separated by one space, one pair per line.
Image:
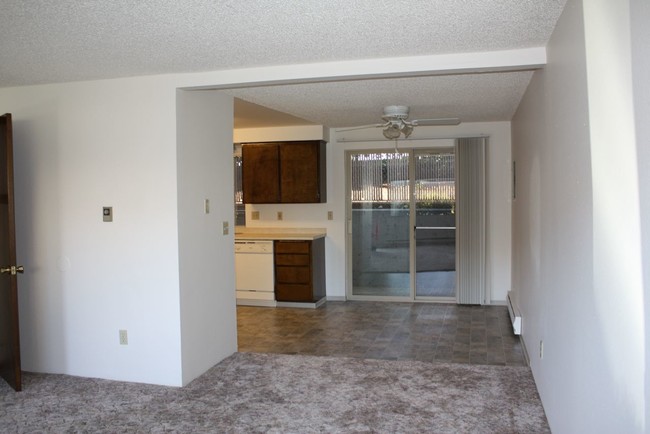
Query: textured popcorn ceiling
x=66 y=40
x=475 y=97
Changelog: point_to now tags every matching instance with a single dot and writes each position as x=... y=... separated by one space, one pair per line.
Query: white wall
x=79 y=147
x=640 y=13
x=162 y=270
x=315 y=215
x=616 y=217
x=206 y=255
x=576 y=248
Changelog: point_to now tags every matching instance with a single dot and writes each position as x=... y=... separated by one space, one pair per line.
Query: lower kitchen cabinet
x=299 y=270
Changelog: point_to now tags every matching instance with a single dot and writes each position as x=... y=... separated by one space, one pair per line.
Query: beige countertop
x=279 y=233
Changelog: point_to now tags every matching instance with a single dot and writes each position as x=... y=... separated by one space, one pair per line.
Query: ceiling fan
x=396 y=123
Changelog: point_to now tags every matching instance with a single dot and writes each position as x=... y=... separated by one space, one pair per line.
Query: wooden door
x=261 y=173
x=9 y=336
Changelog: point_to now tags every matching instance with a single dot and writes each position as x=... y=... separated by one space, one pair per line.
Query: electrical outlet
x=124 y=337
x=279 y=215
x=225 y=228
x=330 y=215
x=541 y=349
x=255 y=215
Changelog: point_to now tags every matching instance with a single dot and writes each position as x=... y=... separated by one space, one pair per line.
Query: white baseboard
x=336 y=298
x=524 y=349
x=253 y=302
x=515 y=314
x=302 y=305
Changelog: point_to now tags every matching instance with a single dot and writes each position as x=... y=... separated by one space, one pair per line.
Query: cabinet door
x=293 y=271
x=261 y=173
x=300 y=172
x=294 y=293
x=299 y=270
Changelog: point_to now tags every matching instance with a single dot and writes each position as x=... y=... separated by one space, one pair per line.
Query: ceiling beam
x=394 y=67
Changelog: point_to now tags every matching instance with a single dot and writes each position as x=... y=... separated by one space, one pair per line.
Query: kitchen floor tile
x=380 y=330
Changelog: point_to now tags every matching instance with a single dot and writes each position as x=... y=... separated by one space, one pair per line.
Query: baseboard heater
x=515 y=315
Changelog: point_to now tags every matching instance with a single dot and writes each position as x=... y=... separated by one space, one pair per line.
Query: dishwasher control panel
x=251 y=246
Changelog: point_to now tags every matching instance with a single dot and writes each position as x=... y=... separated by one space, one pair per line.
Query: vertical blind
x=470 y=220
x=384 y=177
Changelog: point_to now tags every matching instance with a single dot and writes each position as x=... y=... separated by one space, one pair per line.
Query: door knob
x=12 y=270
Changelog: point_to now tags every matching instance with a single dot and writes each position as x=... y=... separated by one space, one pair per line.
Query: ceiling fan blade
x=432 y=122
x=361 y=127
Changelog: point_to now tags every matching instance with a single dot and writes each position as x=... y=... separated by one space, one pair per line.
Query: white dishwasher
x=254 y=277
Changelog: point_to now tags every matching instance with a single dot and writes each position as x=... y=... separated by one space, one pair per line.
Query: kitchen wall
x=576 y=225
x=315 y=215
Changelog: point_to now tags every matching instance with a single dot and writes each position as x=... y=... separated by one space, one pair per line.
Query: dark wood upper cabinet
x=261 y=173
x=284 y=172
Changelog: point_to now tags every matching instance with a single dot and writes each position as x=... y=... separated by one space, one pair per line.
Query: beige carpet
x=251 y=392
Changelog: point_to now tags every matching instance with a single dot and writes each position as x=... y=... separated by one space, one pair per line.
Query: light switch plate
x=330 y=215
x=225 y=228
x=107 y=213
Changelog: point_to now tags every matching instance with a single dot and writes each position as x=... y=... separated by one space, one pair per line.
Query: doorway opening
x=402 y=225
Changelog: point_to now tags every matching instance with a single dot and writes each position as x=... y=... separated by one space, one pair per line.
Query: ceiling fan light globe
x=392 y=133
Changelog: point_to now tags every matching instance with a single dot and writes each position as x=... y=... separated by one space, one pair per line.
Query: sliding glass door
x=435 y=224
x=402 y=244
x=380 y=215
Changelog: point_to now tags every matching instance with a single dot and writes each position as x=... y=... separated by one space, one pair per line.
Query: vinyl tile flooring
x=382 y=330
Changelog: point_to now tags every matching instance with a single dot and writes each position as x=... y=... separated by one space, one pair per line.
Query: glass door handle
x=434 y=227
